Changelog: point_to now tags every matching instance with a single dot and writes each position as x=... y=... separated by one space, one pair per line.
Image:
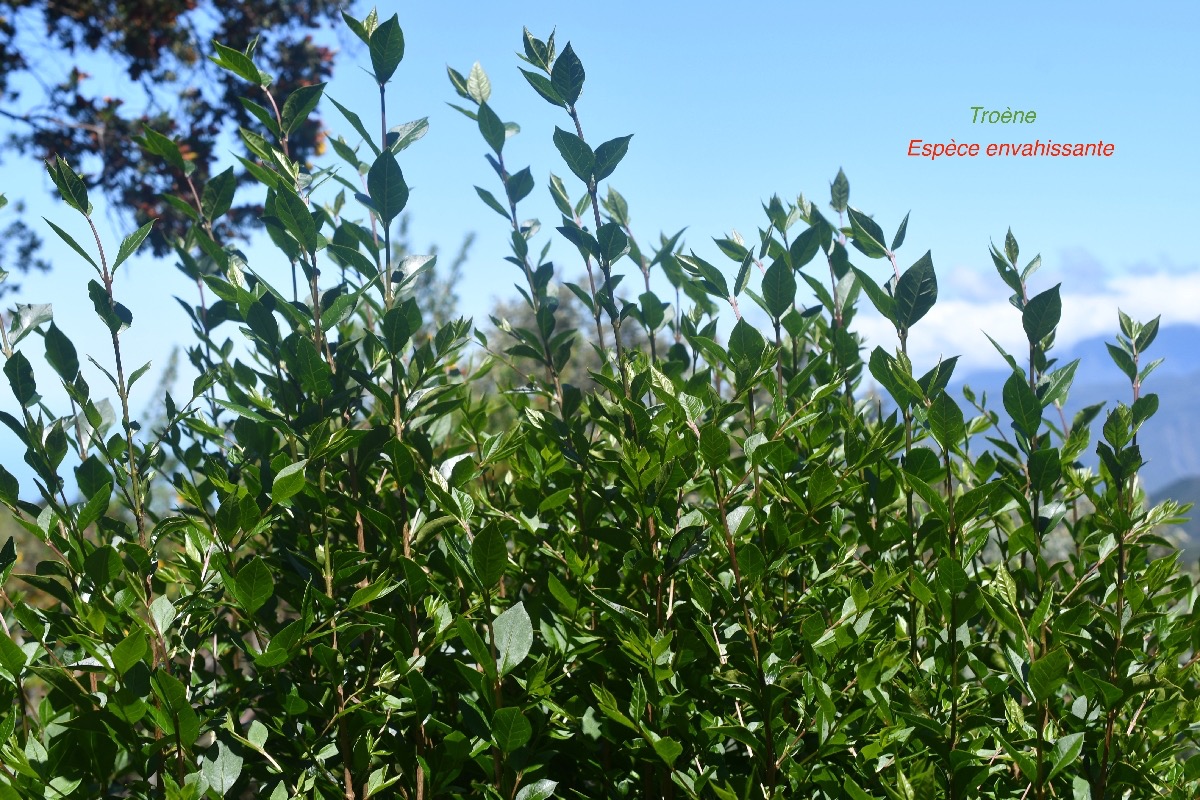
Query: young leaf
x=133 y=241
x=479 y=87
x=69 y=185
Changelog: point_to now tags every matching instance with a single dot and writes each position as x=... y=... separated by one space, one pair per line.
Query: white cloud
x=956 y=325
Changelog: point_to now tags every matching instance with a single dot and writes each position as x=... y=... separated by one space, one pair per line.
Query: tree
x=161 y=46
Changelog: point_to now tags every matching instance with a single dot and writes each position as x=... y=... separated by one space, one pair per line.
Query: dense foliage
x=718 y=566
x=50 y=48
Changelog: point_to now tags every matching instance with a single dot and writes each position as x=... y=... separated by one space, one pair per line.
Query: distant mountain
x=1170 y=441
x=1186 y=490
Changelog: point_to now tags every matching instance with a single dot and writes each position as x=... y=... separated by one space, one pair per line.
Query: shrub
x=724 y=568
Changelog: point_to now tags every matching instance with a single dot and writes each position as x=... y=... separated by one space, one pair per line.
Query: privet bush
x=724 y=568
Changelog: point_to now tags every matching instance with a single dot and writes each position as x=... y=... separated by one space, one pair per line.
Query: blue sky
x=731 y=103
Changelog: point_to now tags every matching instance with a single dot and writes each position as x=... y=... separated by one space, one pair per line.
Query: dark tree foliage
x=161 y=46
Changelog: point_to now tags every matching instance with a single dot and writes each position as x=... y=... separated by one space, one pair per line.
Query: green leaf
x=218 y=195
x=1065 y=753
x=133 y=241
x=510 y=729
x=267 y=118
x=491 y=127
x=519 y=185
x=66 y=237
x=289 y=481
x=714 y=445
x=868 y=236
x=491 y=201
x=299 y=105
x=743 y=276
x=575 y=151
x=12 y=657
x=293 y=212
x=1147 y=335
x=612 y=242
x=315 y=375
x=387 y=49
x=70 y=185
x=567 y=76
x=385 y=182
x=1022 y=405
x=668 y=750
x=404 y=135
x=946 y=422
x=1010 y=247
x=162 y=613
x=356 y=123
x=898 y=239
x=239 y=64
x=1041 y=314
x=8 y=492
x=609 y=155
x=254 y=582
x=1048 y=673
x=916 y=292
x=514 y=638
x=539 y=790
x=804 y=247
x=371 y=593
x=779 y=288
x=360 y=30
x=839 y=192
x=221 y=768
x=129 y=651
x=544 y=87
x=339 y=311
x=154 y=142
x=746 y=345
x=884 y=303
x=489 y=556
x=114 y=315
